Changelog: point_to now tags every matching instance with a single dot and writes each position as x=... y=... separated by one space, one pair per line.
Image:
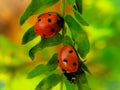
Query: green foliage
x=29 y=35
x=40 y=69
x=69 y=86
x=78 y=35
x=49 y=82
x=45 y=42
x=36 y=6
x=67 y=41
x=77 y=38
x=84 y=67
x=71 y=2
x=79 y=18
x=79 y=5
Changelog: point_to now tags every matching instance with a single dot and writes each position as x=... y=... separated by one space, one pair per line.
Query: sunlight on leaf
x=49 y=82
x=42 y=69
x=45 y=42
x=29 y=35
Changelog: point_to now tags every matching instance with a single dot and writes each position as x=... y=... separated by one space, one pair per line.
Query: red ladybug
x=49 y=24
x=68 y=59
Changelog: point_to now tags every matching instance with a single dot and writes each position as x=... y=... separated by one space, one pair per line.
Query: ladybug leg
x=70 y=76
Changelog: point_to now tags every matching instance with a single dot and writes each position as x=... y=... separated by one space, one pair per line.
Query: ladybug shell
x=48 y=25
x=68 y=59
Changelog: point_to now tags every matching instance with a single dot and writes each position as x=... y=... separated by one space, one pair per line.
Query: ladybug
x=68 y=62
x=49 y=24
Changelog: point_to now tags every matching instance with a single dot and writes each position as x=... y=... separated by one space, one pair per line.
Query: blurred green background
x=103 y=32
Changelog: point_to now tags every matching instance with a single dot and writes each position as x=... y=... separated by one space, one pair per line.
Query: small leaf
x=79 y=5
x=49 y=67
x=84 y=67
x=81 y=80
x=82 y=77
x=40 y=69
x=63 y=7
x=29 y=35
x=79 y=18
x=69 y=86
x=45 y=42
x=67 y=41
x=71 y=2
x=49 y=82
x=53 y=63
x=36 y=6
x=79 y=36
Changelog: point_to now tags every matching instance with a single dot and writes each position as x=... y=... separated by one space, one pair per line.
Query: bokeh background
x=103 y=32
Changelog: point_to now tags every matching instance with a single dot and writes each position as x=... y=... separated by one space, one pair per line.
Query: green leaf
x=71 y=2
x=82 y=77
x=36 y=6
x=79 y=36
x=40 y=69
x=81 y=80
x=84 y=67
x=67 y=41
x=53 y=63
x=79 y=5
x=49 y=67
x=49 y=82
x=79 y=18
x=69 y=86
x=29 y=35
x=45 y=42
x=63 y=7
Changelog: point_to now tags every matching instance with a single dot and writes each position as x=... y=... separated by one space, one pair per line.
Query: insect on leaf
x=36 y=6
x=78 y=35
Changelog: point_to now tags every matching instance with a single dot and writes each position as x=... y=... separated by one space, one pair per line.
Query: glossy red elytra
x=49 y=24
x=68 y=59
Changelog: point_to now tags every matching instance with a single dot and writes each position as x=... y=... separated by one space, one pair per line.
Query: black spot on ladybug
x=63 y=70
x=65 y=60
x=58 y=22
x=44 y=35
x=52 y=30
x=58 y=61
x=49 y=20
x=74 y=64
x=49 y=14
x=70 y=51
x=39 y=20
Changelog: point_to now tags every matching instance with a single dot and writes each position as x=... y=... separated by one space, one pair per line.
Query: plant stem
x=63 y=7
x=61 y=86
x=63 y=14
